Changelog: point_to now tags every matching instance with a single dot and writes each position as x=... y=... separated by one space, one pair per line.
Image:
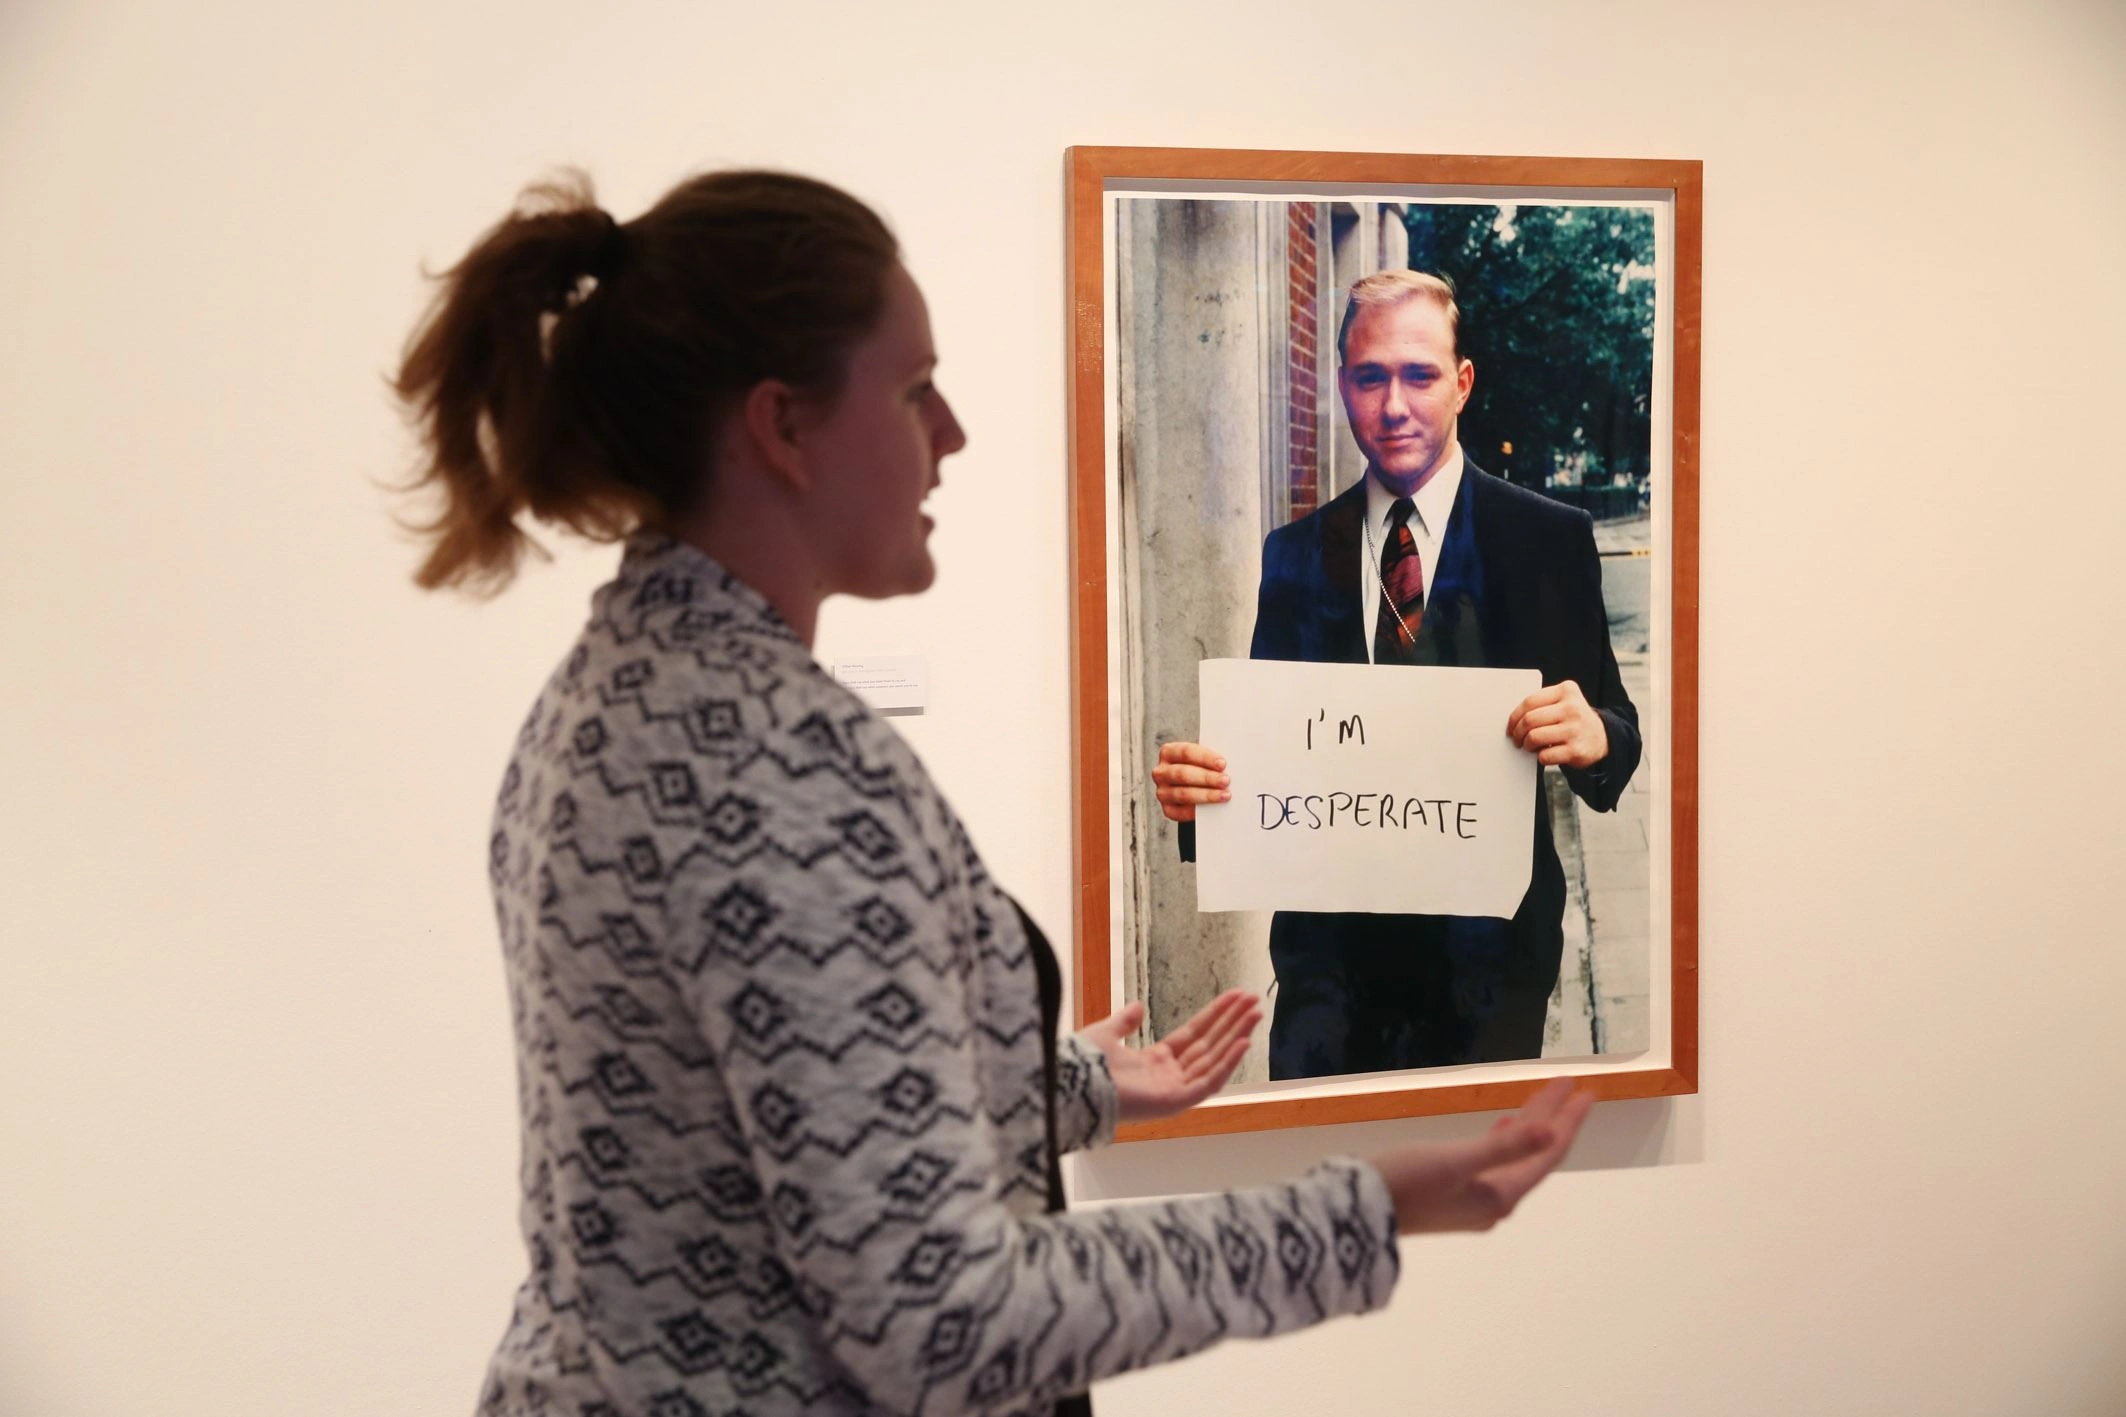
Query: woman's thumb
x=1123 y=1021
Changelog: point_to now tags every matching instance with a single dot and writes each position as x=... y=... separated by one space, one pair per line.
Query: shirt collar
x=675 y=583
x=1434 y=500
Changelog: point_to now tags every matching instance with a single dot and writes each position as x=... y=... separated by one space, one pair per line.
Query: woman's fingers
x=1236 y=1010
x=1201 y=1022
x=1545 y=1102
x=1234 y=1027
x=1504 y=1146
x=1214 y=1076
x=1227 y=1062
x=1515 y=1179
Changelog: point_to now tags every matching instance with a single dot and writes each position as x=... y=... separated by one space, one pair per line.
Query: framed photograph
x=1362 y=423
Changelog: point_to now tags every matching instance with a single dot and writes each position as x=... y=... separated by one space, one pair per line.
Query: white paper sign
x=1389 y=789
x=890 y=683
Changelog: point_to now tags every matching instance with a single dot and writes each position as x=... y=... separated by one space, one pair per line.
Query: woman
x=791 y=1084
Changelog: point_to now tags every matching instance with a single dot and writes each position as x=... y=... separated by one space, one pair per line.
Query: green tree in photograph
x=1558 y=317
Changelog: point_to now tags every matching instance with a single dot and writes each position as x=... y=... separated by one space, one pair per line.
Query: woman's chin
x=912 y=577
x=923 y=574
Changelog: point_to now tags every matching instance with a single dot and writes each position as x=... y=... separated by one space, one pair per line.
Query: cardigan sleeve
x=836 y=999
x=1088 y=1108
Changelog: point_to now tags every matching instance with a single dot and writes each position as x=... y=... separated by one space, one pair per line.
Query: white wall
x=256 y=1110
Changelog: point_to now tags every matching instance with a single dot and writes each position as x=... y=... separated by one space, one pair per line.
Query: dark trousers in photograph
x=1371 y=993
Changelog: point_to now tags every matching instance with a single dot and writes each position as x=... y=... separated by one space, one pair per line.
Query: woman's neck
x=758 y=545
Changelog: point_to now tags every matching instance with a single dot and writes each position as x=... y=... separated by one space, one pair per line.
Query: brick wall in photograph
x=1301 y=239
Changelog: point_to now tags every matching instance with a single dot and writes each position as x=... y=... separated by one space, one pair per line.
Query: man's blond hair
x=1384 y=288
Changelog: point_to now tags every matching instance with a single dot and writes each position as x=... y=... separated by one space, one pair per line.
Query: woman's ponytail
x=570 y=368
x=475 y=379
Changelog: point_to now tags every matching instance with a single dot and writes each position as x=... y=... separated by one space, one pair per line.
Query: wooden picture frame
x=1113 y=807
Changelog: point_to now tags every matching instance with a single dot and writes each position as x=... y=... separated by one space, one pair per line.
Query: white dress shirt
x=1428 y=525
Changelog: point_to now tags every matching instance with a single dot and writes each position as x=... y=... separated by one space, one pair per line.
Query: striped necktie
x=1402 y=601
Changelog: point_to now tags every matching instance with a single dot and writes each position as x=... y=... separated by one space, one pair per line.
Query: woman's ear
x=772 y=416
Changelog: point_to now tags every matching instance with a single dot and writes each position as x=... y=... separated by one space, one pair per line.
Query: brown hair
x=576 y=368
x=1393 y=288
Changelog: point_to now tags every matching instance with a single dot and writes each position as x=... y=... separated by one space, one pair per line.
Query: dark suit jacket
x=1518 y=585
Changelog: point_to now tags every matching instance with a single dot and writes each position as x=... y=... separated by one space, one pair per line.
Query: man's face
x=1403 y=389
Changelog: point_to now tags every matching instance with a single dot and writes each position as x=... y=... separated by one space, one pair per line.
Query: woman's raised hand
x=1183 y=1068
x=1474 y=1184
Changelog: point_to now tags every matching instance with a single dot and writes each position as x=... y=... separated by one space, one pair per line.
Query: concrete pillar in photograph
x=1192 y=374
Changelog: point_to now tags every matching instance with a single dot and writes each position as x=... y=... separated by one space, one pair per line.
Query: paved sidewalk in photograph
x=1601 y=1002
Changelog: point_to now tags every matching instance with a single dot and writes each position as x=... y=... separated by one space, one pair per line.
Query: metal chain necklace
x=1385 y=594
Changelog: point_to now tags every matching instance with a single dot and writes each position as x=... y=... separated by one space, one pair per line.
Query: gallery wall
x=257 y=1146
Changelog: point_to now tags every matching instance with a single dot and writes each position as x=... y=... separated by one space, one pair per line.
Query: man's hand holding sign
x=1560 y=727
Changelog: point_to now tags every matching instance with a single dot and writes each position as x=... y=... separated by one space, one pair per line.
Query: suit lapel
x=1453 y=631
x=1343 y=574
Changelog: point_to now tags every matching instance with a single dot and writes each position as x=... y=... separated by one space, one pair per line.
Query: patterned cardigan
x=780 y=1068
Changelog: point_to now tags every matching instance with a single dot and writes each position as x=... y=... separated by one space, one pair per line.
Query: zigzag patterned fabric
x=785 y=1148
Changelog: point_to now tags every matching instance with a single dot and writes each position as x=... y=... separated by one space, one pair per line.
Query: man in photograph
x=1428 y=559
